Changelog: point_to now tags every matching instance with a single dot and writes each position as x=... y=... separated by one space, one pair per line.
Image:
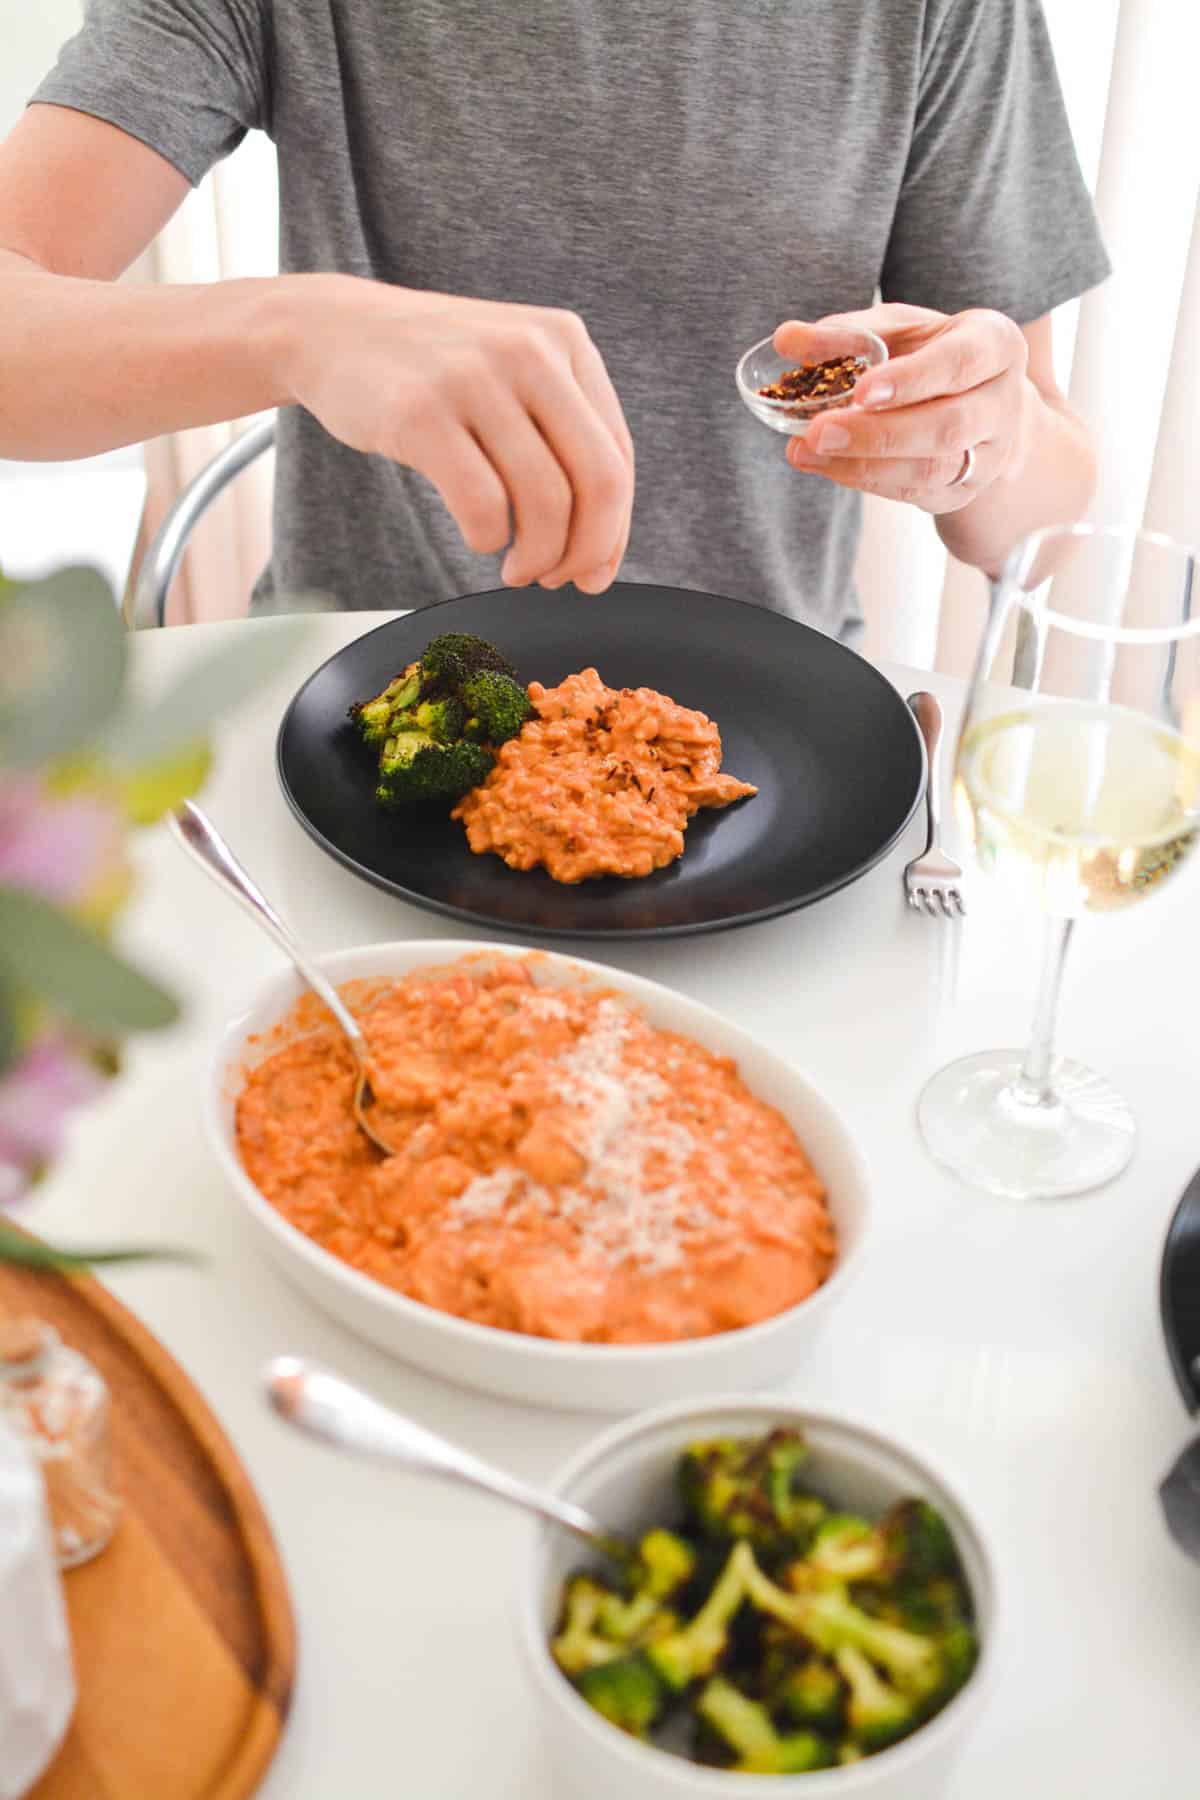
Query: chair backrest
x=147 y=603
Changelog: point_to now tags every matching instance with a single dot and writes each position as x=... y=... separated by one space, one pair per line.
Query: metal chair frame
x=147 y=604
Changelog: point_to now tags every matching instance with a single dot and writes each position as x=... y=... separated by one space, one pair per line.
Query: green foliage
x=69 y=719
x=49 y=954
x=62 y=665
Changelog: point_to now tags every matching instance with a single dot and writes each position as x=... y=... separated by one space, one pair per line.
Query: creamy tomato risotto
x=564 y=1168
x=602 y=782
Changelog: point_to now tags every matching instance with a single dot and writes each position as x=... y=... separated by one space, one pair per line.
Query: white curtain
x=1127 y=354
x=1131 y=367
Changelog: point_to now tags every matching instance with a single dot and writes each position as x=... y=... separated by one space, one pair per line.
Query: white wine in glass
x=1077 y=780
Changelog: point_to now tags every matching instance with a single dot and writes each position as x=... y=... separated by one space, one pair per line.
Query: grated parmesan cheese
x=632 y=1201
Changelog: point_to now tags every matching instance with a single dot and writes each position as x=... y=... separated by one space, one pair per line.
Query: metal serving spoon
x=326 y=1407
x=202 y=841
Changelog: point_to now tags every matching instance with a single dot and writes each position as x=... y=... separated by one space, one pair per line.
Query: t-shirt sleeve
x=187 y=77
x=993 y=209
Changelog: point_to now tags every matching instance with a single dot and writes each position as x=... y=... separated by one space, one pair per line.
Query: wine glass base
x=976 y=1123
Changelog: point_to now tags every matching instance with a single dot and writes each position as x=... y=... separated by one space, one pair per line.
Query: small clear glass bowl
x=762 y=366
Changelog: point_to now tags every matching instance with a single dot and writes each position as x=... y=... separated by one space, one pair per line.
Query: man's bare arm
x=89 y=365
x=508 y=410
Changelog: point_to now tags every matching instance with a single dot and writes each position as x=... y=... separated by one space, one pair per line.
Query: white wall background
x=30 y=34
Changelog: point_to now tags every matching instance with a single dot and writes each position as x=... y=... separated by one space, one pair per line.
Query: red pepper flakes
x=819 y=381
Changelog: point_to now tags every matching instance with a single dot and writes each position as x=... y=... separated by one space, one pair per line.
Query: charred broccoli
x=496 y=705
x=876 y=1712
x=917 y=1543
x=414 y=768
x=442 y=719
x=747 y=1731
x=733 y=1489
x=927 y=1669
x=665 y=1564
x=847 y=1547
x=580 y=1643
x=461 y=699
x=457 y=655
x=694 y=1650
x=811 y=1693
x=787 y=1636
x=374 y=717
x=626 y=1691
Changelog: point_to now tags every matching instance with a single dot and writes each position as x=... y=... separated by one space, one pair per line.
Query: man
x=516 y=242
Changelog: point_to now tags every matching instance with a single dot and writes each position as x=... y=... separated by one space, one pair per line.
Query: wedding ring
x=968 y=469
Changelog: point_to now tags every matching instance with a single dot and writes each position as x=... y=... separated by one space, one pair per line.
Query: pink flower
x=59 y=848
x=38 y=1094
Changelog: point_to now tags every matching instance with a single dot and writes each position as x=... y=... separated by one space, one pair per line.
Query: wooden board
x=183 y=1631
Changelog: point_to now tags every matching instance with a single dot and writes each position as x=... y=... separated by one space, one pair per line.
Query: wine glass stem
x=1034 y=1086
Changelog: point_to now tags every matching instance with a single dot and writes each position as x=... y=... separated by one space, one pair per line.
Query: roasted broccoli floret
x=665 y=1564
x=847 y=1547
x=442 y=720
x=917 y=1543
x=423 y=707
x=373 y=717
x=920 y=1666
x=579 y=1644
x=932 y=1607
x=745 y=1727
x=811 y=1693
x=497 y=706
x=414 y=767
x=668 y=1561
x=736 y=1489
x=694 y=1650
x=457 y=655
x=627 y=1692
x=876 y=1712
x=959 y=1649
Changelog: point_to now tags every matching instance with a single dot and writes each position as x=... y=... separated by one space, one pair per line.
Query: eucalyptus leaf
x=155 y=732
x=62 y=664
x=47 y=952
x=31 y=1253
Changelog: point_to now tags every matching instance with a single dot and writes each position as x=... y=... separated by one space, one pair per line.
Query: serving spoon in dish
x=204 y=843
x=326 y=1407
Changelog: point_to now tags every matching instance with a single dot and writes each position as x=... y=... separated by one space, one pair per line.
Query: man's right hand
x=508 y=410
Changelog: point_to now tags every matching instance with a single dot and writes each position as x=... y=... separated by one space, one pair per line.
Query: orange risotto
x=564 y=1168
x=602 y=782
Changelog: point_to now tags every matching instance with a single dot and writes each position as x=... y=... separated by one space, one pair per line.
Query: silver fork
x=932 y=881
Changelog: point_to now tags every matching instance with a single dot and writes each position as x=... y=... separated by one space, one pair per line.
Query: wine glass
x=1077 y=780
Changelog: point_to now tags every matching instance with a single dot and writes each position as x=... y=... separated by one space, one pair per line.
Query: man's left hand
x=952 y=384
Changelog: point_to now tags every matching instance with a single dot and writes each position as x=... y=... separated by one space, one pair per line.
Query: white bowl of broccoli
x=815 y=1613
x=592 y=1377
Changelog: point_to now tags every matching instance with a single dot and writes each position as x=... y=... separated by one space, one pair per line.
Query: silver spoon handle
x=201 y=839
x=928 y=715
x=331 y=1409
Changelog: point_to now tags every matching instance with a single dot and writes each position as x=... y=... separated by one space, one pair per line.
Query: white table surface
x=1020 y=1345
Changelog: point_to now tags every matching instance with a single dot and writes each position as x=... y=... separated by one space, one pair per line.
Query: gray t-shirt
x=682 y=173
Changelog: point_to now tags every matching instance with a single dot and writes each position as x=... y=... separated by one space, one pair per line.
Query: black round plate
x=1179 y=1294
x=831 y=746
